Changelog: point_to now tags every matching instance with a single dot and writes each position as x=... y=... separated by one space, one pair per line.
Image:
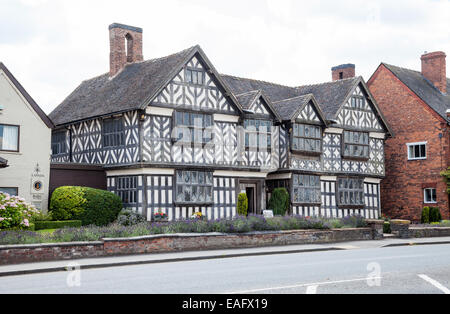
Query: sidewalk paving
x=102 y=262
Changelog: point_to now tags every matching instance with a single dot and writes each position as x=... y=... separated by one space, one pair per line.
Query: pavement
x=118 y=261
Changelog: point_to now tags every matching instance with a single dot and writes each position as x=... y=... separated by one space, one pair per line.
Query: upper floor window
x=113 y=132
x=358 y=102
x=59 y=143
x=356 y=144
x=258 y=133
x=194 y=187
x=417 y=151
x=195 y=77
x=307 y=138
x=351 y=192
x=306 y=189
x=430 y=196
x=9 y=138
x=193 y=127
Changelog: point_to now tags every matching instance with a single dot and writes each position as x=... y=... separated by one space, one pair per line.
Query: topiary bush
x=91 y=206
x=435 y=215
x=426 y=215
x=279 y=202
x=242 y=205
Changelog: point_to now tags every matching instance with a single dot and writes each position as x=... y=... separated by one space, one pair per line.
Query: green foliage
x=279 y=202
x=67 y=202
x=426 y=215
x=435 y=215
x=446 y=175
x=15 y=213
x=387 y=227
x=42 y=225
x=91 y=206
x=242 y=205
x=128 y=217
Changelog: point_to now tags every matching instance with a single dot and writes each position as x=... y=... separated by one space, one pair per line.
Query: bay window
x=194 y=187
x=307 y=138
x=356 y=145
x=351 y=192
x=258 y=133
x=193 y=127
x=306 y=189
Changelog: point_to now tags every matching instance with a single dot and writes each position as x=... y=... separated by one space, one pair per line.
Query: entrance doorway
x=250 y=191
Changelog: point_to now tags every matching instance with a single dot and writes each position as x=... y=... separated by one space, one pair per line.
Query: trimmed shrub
x=91 y=206
x=127 y=217
x=42 y=225
x=279 y=202
x=426 y=215
x=387 y=227
x=435 y=215
x=242 y=205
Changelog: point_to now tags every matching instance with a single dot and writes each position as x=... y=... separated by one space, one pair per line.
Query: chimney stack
x=125 y=46
x=342 y=72
x=434 y=69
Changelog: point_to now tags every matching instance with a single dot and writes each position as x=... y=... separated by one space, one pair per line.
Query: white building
x=25 y=137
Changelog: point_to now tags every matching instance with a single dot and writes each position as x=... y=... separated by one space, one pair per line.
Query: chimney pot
x=434 y=69
x=125 y=46
x=343 y=71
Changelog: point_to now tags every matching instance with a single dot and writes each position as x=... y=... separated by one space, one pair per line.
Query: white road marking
x=312 y=289
x=300 y=285
x=435 y=283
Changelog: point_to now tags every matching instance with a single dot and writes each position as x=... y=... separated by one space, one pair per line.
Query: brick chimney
x=343 y=71
x=125 y=46
x=434 y=69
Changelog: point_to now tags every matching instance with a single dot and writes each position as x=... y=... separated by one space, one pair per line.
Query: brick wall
x=14 y=254
x=412 y=121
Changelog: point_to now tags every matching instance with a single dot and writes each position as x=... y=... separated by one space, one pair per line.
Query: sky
x=51 y=46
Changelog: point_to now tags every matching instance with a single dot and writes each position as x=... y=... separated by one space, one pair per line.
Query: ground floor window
x=194 y=187
x=10 y=191
x=306 y=189
x=351 y=192
x=126 y=189
x=430 y=196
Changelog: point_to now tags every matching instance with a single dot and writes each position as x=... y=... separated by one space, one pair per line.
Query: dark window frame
x=301 y=137
x=127 y=189
x=351 y=191
x=307 y=186
x=60 y=144
x=183 y=186
x=113 y=136
x=10 y=187
x=357 y=102
x=190 y=78
x=18 y=139
x=180 y=128
x=249 y=134
x=352 y=144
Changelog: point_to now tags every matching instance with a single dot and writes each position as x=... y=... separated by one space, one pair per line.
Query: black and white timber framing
x=149 y=146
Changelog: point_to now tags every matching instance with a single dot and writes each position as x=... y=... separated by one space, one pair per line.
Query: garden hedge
x=91 y=206
x=42 y=225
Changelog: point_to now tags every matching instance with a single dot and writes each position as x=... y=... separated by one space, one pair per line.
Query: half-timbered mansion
x=175 y=136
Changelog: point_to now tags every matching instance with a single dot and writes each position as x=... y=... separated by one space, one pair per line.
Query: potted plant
x=161 y=217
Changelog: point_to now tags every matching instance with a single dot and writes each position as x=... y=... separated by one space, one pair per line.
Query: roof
x=27 y=96
x=288 y=108
x=3 y=163
x=247 y=99
x=423 y=88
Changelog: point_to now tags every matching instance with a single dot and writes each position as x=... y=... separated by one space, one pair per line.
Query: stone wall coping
x=375 y=221
x=49 y=245
x=400 y=222
x=429 y=228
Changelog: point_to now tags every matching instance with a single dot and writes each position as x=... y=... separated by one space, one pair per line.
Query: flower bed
x=15 y=213
x=237 y=225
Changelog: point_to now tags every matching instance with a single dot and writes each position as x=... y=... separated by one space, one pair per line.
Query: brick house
x=416 y=105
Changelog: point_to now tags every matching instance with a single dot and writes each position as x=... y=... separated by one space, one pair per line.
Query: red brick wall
x=412 y=121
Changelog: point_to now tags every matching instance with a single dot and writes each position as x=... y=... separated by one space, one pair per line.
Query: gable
x=180 y=93
x=258 y=107
x=308 y=114
x=359 y=112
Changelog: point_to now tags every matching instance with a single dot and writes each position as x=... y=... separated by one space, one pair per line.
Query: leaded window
x=126 y=189
x=358 y=102
x=351 y=192
x=113 y=132
x=306 y=189
x=59 y=143
x=258 y=133
x=356 y=144
x=193 y=127
x=194 y=187
x=307 y=138
x=195 y=77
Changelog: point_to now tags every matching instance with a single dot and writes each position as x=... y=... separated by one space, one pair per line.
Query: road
x=412 y=269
